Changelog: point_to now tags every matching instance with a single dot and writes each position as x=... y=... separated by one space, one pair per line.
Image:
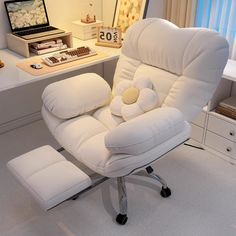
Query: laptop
x=28 y=19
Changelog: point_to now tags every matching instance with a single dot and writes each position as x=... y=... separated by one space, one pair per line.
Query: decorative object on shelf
x=89 y=19
x=1 y=64
x=129 y=11
x=227 y=107
x=109 y=37
x=90 y=16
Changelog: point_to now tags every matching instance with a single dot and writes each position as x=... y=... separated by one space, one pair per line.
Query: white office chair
x=183 y=67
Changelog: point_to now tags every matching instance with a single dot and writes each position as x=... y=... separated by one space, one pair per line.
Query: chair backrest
x=184 y=64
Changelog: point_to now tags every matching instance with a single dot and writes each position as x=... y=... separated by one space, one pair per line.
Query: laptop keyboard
x=35 y=31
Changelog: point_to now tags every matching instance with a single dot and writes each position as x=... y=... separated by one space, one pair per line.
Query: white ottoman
x=49 y=177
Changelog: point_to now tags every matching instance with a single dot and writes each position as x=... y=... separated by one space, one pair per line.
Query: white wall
x=61 y=13
x=108 y=11
x=155 y=8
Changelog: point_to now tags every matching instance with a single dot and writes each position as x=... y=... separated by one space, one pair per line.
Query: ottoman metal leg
x=122 y=217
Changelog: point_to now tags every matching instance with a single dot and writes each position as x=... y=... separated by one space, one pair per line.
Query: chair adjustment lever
x=149 y=169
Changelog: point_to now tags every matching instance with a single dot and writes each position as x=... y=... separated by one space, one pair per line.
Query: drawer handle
x=231 y=133
x=228 y=149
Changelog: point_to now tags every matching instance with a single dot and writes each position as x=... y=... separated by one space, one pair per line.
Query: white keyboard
x=68 y=56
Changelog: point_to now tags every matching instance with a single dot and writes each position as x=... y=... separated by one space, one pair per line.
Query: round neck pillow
x=133 y=98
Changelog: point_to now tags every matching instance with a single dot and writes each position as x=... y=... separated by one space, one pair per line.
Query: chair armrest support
x=145 y=132
x=77 y=95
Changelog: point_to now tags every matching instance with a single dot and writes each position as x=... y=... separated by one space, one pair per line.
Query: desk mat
x=25 y=65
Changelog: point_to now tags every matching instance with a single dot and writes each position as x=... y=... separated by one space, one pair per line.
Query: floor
x=202 y=203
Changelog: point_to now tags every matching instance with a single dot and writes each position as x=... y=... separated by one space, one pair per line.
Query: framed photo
x=129 y=11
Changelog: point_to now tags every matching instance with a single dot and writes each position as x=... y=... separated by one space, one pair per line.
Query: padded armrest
x=145 y=132
x=77 y=95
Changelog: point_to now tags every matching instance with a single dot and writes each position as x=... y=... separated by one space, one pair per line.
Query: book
x=46 y=44
x=226 y=112
x=229 y=103
x=47 y=50
x=227 y=107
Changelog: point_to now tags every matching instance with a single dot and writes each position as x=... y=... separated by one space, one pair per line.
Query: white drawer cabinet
x=222 y=127
x=85 y=31
x=221 y=144
x=220 y=134
x=216 y=132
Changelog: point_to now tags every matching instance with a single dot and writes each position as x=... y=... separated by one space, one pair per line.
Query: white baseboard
x=22 y=121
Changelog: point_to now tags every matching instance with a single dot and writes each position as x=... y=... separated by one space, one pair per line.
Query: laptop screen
x=25 y=14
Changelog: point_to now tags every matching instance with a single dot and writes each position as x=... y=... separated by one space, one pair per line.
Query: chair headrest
x=158 y=42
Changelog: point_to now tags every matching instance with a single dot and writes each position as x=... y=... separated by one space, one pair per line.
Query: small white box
x=85 y=31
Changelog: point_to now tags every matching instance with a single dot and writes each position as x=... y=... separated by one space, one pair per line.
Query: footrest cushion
x=49 y=177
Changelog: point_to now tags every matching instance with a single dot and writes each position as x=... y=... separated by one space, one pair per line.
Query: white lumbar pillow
x=77 y=95
x=134 y=98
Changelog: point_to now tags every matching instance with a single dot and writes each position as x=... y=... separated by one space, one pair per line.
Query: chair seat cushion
x=71 y=134
x=84 y=138
x=105 y=116
x=94 y=154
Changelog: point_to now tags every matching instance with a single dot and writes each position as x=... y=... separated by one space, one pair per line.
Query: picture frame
x=129 y=11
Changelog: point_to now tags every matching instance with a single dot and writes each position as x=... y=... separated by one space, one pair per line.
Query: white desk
x=12 y=77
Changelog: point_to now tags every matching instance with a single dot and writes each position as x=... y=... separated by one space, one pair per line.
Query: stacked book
x=47 y=46
x=227 y=107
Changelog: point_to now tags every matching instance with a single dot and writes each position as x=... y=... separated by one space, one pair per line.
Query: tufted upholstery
x=196 y=56
x=184 y=65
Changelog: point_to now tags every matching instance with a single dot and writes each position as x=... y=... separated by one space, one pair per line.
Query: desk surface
x=11 y=76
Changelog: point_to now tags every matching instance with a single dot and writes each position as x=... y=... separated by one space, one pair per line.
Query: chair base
x=122 y=194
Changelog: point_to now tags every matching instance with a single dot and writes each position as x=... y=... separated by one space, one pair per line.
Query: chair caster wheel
x=165 y=192
x=121 y=219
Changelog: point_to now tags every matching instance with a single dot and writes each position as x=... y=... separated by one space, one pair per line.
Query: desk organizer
x=21 y=46
x=85 y=31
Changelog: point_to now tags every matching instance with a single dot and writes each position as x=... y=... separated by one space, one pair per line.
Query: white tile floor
x=202 y=203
